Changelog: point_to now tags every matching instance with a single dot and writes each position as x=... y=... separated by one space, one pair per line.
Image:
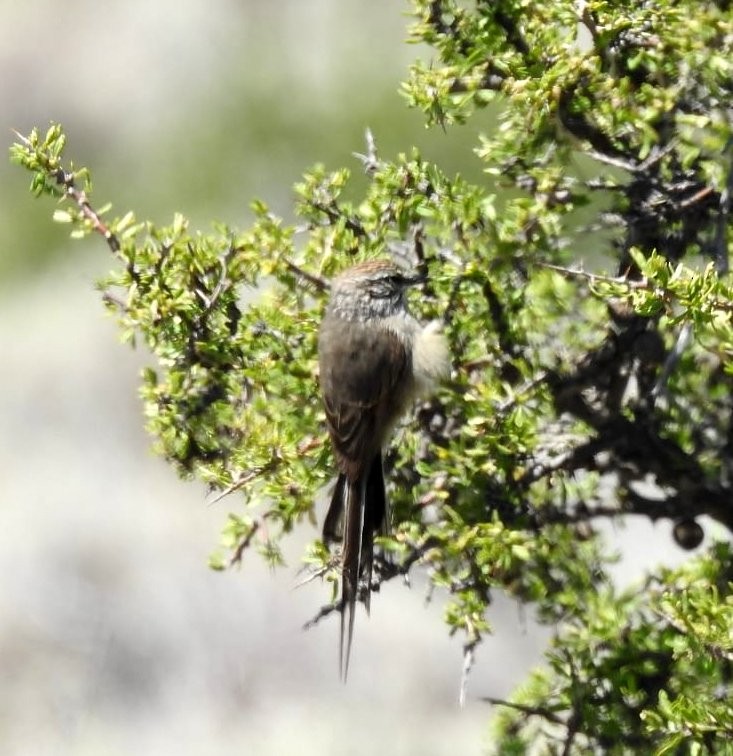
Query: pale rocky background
x=115 y=638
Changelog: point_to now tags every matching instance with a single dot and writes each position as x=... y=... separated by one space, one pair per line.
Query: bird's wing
x=363 y=373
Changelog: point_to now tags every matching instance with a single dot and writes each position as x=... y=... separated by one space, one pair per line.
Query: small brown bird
x=375 y=358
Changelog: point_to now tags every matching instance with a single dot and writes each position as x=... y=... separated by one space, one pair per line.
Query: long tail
x=351 y=565
x=357 y=511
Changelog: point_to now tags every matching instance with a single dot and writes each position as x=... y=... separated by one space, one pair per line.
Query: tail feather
x=333 y=524
x=358 y=510
x=376 y=516
x=351 y=559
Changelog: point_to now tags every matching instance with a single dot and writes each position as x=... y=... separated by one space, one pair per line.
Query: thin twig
x=236 y=557
x=310 y=576
x=656 y=155
x=323 y=612
x=533 y=711
x=79 y=196
x=245 y=478
x=114 y=301
x=706 y=191
x=320 y=283
x=222 y=284
x=596 y=278
x=615 y=162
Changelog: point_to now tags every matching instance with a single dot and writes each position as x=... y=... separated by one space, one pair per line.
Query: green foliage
x=574 y=396
x=645 y=667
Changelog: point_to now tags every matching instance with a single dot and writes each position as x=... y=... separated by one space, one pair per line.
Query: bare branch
x=320 y=283
x=532 y=711
x=615 y=162
x=596 y=278
x=324 y=611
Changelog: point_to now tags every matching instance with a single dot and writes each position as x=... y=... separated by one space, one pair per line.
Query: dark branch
x=532 y=711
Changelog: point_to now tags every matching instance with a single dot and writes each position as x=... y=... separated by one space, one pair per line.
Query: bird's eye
x=385 y=289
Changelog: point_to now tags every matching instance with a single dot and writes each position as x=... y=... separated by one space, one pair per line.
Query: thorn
x=369 y=160
x=468 y=658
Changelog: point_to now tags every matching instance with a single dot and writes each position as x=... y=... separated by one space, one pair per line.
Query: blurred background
x=115 y=638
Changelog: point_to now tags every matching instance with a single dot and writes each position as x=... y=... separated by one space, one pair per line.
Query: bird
x=375 y=359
